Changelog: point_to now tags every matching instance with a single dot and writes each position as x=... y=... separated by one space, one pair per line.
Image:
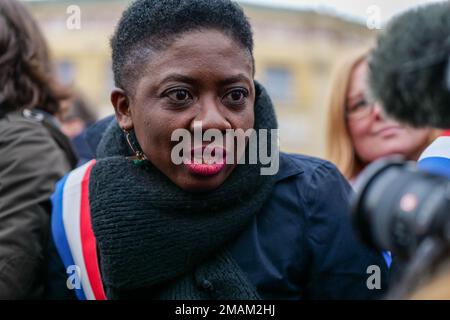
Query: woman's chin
x=193 y=185
x=202 y=180
x=394 y=151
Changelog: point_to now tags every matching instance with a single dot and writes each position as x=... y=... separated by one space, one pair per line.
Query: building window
x=109 y=75
x=279 y=83
x=66 y=72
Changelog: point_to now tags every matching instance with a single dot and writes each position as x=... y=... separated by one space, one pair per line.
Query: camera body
x=397 y=206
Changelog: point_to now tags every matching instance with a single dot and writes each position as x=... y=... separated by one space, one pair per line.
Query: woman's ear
x=122 y=109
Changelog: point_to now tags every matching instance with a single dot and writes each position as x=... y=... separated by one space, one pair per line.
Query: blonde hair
x=340 y=149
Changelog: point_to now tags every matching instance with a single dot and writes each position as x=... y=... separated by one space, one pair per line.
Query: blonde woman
x=357 y=131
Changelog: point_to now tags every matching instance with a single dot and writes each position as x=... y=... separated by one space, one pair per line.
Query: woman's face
x=202 y=77
x=373 y=135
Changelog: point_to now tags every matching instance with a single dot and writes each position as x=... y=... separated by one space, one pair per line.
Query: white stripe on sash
x=71 y=219
x=439 y=148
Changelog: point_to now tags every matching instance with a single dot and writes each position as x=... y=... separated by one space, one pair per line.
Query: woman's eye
x=236 y=96
x=179 y=95
x=360 y=105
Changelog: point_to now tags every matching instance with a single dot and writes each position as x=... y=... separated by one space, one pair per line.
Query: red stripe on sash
x=89 y=244
x=446 y=133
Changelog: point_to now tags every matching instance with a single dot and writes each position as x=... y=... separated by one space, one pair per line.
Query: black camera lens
x=396 y=206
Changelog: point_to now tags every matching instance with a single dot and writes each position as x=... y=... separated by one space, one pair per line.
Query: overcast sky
x=358 y=9
x=353 y=9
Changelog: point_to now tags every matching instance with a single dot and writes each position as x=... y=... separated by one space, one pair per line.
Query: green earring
x=139 y=158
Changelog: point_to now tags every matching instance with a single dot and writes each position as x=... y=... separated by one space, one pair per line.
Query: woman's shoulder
x=26 y=138
x=308 y=168
x=27 y=147
x=305 y=162
x=312 y=184
x=17 y=124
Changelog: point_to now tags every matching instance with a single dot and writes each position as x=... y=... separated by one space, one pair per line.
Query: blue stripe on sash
x=387 y=258
x=59 y=233
x=436 y=165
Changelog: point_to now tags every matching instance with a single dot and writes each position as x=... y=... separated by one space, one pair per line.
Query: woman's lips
x=202 y=166
x=205 y=169
x=388 y=131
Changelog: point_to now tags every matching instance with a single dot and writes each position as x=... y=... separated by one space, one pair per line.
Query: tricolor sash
x=72 y=231
x=436 y=158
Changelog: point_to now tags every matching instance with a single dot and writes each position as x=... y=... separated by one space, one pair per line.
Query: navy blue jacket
x=301 y=245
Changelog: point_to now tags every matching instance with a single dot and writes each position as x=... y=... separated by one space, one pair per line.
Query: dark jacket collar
x=95 y=132
x=288 y=167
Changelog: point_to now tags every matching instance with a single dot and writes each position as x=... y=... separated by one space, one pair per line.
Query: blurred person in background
x=358 y=132
x=34 y=152
x=77 y=116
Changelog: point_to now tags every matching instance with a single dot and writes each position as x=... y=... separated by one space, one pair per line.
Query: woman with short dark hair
x=34 y=154
x=138 y=223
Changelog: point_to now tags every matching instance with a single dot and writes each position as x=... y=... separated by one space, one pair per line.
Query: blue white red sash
x=72 y=231
x=436 y=158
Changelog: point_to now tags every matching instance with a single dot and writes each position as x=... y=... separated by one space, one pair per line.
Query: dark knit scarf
x=156 y=240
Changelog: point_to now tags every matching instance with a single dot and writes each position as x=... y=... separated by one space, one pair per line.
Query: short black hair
x=408 y=65
x=151 y=25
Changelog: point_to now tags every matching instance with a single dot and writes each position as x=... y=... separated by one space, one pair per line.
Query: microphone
x=410 y=67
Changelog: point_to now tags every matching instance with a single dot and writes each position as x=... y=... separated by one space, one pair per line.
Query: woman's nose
x=211 y=117
x=378 y=111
